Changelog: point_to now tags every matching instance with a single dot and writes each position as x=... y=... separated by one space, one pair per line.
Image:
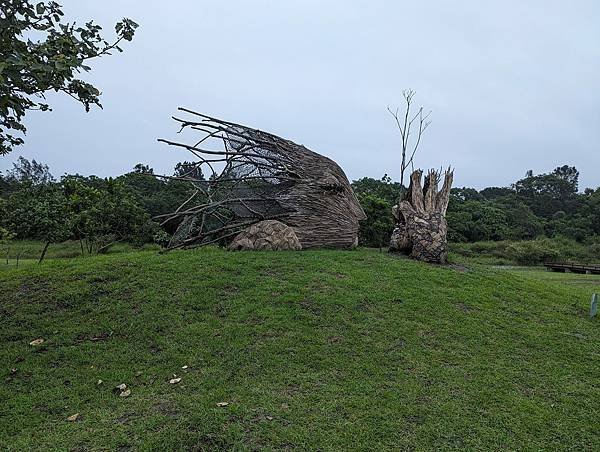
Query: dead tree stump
x=421 y=228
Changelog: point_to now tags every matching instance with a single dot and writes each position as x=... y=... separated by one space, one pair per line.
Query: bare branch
x=255 y=176
x=405 y=127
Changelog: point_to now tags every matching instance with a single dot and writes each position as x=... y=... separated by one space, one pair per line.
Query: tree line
x=98 y=212
x=539 y=205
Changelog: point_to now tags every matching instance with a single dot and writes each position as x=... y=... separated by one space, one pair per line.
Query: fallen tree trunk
x=421 y=228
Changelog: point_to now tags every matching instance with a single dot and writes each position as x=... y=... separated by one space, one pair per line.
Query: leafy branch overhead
x=40 y=53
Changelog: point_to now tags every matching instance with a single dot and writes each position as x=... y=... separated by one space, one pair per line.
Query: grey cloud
x=513 y=85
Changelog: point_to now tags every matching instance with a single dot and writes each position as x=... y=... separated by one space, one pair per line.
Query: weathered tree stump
x=421 y=228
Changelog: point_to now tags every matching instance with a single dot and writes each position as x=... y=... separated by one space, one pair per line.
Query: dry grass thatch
x=255 y=176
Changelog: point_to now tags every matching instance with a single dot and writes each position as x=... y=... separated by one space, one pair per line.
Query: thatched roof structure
x=255 y=176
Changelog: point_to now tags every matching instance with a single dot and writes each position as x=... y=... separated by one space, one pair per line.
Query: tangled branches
x=255 y=176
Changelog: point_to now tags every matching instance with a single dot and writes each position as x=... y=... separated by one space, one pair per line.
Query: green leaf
x=47 y=60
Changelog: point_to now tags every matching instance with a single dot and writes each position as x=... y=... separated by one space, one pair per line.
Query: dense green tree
x=140 y=168
x=40 y=53
x=5 y=234
x=536 y=206
x=575 y=227
x=39 y=212
x=591 y=209
x=475 y=221
x=159 y=196
x=570 y=175
x=377 y=229
x=191 y=170
x=29 y=172
x=148 y=191
x=4 y=185
x=382 y=188
x=104 y=215
x=465 y=194
x=521 y=221
x=549 y=193
x=492 y=193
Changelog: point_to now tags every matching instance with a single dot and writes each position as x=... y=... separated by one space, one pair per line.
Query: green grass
x=312 y=350
x=25 y=252
x=528 y=252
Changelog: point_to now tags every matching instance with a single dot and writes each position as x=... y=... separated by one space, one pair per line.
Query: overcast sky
x=513 y=85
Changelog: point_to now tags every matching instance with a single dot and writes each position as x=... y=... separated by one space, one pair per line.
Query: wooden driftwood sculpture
x=421 y=228
x=256 y=176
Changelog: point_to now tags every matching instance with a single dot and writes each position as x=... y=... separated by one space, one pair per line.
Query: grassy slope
x=29 y=251
x=313 y=349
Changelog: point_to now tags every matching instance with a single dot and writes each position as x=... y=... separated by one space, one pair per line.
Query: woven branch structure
x=421 y=227
x=256 y=176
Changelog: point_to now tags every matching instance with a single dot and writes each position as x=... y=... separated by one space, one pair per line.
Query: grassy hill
x=313 y=350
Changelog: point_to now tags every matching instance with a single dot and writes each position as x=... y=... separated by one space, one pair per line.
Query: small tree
x=54 y=220
x=405 y=122
x=28 y=68
x=5 y=237
x=376 y=229
x=187 y=169
x=140 y=168
x=420 y=214
x=39 y=212
x=26 y=172
x=104 y=214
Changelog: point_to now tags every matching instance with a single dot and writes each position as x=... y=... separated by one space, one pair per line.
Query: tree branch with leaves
x=29 y=69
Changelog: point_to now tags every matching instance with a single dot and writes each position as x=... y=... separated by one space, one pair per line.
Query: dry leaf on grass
x=174 y=380
x=126 y=393
x=222 y=404
x=36 y=342
x=73 y=417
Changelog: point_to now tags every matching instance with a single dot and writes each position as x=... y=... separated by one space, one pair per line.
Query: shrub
x=533 y=252
x=595 y=251
x=161 y=238
x=377 y=229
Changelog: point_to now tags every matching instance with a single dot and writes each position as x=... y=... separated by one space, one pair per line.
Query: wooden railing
x=573 y=267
